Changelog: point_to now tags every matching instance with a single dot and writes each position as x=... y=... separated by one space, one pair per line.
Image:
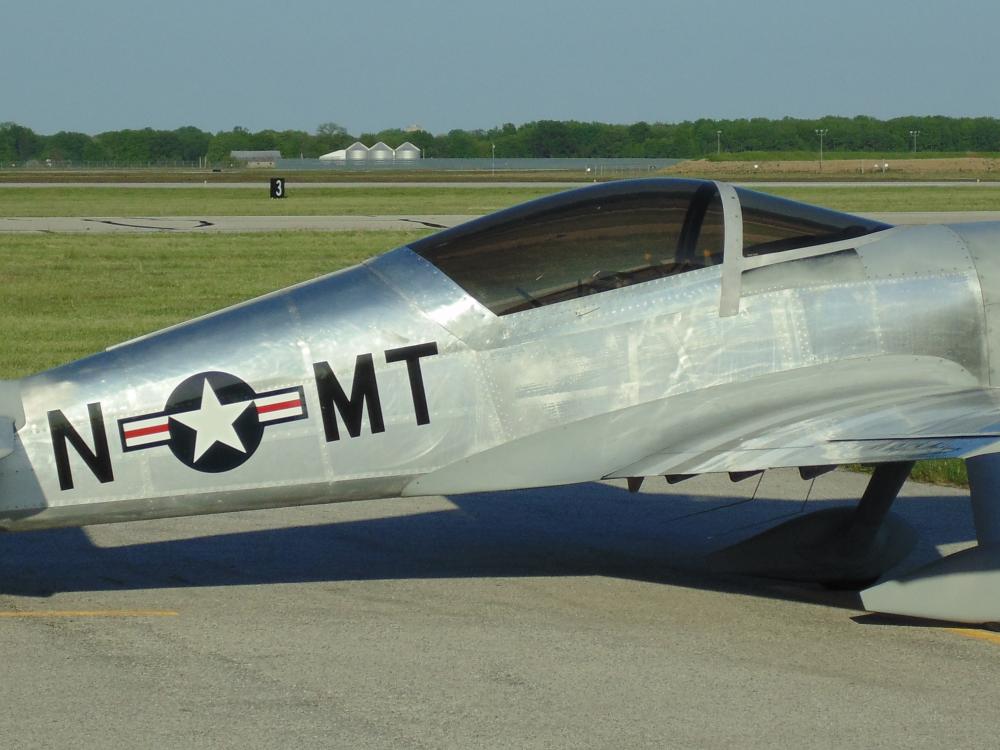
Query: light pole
x=821 y=132
x=494 y=168
x=913 y=135
x=718 y=142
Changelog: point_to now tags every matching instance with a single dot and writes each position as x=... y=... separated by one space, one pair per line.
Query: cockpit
x=612 y=235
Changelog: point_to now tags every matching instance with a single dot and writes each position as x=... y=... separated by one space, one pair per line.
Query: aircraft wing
x=905 y=434
x=891 y=420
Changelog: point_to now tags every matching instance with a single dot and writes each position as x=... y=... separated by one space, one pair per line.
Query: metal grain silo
x=381 y=152
x=357 y=152
x=407 y=152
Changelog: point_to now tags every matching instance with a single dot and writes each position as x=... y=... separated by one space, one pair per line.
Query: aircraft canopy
x=612 y=235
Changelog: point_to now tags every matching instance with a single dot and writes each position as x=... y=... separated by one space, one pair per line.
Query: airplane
x=632 y=329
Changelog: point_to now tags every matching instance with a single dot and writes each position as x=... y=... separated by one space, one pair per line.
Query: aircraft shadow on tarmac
x=592 y=529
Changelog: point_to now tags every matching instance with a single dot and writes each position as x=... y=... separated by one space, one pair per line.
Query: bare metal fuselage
x=446 y=397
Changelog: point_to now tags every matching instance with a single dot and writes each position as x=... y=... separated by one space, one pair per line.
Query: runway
x=486 y=182
x=120 y=224
x=577 y=617
x=154 y=224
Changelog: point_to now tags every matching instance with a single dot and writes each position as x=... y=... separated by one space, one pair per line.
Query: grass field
x=67 y=296
x=888 y=198
x=784 y=156
x=97 y=201
x=743 y=165
x=199 y=176
x=842 y=167
x=802 y=165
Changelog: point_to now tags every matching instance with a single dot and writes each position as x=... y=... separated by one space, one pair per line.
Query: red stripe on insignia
x=147 y=431
x=279 y=406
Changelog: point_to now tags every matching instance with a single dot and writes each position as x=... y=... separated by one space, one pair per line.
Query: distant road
x=863 y=184
x=112 y=224
x=120 y=224
x=933 y=217
x=292 y=185
x=486 y=183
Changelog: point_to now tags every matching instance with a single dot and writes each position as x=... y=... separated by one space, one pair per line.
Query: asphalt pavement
x=575 y=617
x=208 y=224
x=486 y=182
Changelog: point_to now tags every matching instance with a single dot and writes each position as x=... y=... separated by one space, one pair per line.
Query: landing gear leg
x=965 y=586
x=839 y=547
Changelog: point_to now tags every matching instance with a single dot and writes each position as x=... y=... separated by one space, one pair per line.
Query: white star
x=213 y=422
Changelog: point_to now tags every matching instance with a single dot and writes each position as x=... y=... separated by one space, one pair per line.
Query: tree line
x=544 y=138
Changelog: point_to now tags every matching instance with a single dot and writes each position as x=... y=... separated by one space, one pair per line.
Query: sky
x=216 y=64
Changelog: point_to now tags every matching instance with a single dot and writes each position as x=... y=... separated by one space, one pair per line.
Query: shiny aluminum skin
x=882 y=348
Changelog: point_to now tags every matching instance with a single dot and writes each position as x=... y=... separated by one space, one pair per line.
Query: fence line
x=598 y=167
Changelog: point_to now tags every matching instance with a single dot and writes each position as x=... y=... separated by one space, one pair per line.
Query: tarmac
x=573 y=617
x=207 y=224
x=483 y=184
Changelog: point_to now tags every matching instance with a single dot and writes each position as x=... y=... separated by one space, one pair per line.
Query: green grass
x=98 y=201
x=138 y=202
x=888 y=198
x=813 y=155
x=200 y=176
x=67 y=296
x=950 y=472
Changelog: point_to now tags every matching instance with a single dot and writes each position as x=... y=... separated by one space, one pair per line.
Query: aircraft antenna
x=808 y=494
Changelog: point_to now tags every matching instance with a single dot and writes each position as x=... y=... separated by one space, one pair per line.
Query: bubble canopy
x=598 y=238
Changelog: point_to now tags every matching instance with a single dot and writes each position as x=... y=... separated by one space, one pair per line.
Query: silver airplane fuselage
x=389 y=379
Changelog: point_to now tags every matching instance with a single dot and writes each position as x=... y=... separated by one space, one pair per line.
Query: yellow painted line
x=43 y=613
x=982 y=635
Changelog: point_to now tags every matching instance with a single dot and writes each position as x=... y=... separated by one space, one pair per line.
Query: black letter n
x=97 y=460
